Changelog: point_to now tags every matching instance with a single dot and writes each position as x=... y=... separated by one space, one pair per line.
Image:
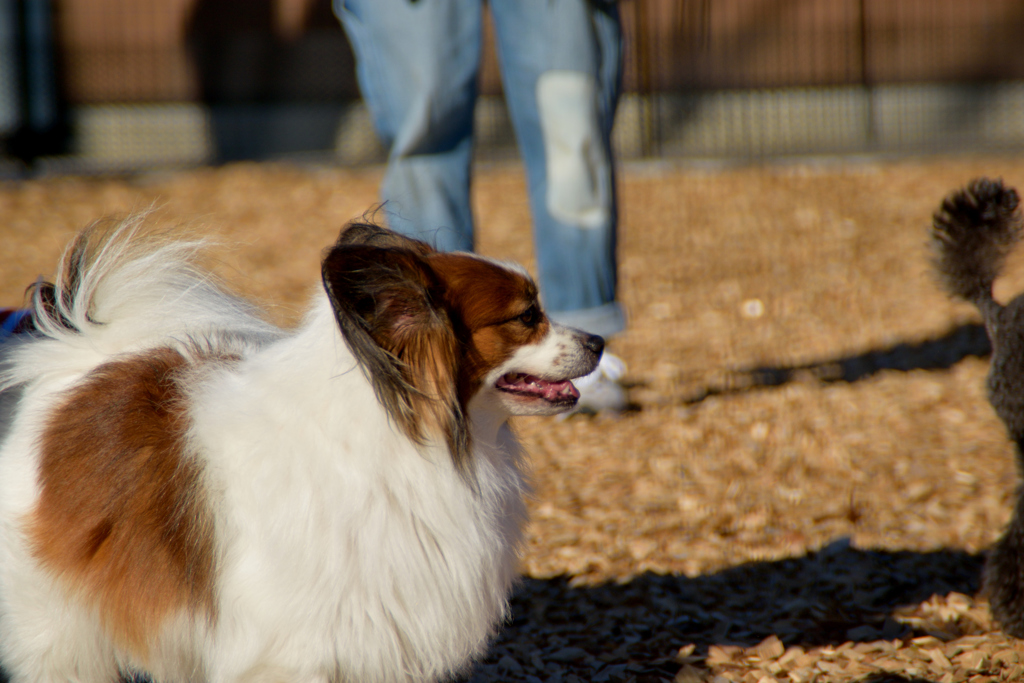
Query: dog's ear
x=388 y=303
x=376 y=236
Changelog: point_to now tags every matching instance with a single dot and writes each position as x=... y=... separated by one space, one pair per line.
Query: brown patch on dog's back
x=122 y=517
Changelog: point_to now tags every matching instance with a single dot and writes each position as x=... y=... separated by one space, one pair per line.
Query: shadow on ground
x=631 y=631
x=933 y=354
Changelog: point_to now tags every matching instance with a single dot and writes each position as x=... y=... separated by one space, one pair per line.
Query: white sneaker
x=600 y=390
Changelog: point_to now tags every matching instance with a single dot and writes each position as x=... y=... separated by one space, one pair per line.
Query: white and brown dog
x=191 y=493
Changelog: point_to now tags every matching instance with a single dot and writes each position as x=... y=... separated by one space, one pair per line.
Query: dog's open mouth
x=531 y=386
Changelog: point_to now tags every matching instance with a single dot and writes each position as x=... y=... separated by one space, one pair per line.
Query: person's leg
x=561 y=69
x=417 y=66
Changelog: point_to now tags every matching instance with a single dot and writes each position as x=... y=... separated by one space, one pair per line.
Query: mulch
x=810 y=474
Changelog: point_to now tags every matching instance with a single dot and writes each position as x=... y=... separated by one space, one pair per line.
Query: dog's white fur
x=345 y=551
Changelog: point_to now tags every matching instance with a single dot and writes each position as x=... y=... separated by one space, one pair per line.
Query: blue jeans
x=418 y=63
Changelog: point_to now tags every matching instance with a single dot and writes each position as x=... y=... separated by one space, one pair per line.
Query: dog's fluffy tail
x=973 y=232
x=124 y=286
x=110 y=269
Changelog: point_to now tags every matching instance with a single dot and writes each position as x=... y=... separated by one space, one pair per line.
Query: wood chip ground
x=810 y=474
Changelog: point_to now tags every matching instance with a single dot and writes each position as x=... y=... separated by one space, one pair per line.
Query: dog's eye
x=530 y=317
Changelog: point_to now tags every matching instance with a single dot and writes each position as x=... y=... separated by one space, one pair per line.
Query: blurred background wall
x=122 y=85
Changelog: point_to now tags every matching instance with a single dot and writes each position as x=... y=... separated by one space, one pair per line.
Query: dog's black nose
x=594 y=344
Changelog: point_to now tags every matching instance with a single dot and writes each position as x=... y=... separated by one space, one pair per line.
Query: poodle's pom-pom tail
x=972 y=232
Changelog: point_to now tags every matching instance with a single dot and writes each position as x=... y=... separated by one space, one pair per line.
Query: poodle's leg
x=1004 y=574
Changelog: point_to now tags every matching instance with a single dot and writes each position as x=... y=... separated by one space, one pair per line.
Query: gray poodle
x=973 y=231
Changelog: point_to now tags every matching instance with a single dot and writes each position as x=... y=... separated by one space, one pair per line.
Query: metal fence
x=128 y=84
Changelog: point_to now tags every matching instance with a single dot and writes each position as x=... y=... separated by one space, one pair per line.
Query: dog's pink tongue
x=554 y=391
x=550 y=391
